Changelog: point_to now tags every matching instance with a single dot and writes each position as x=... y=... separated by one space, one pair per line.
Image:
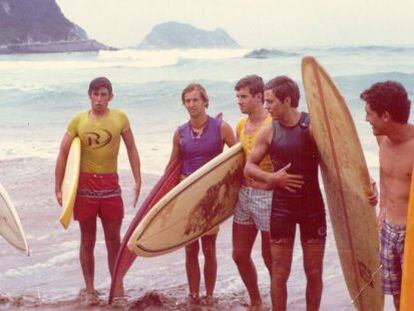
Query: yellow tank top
x=100 y=140
x=248 y=140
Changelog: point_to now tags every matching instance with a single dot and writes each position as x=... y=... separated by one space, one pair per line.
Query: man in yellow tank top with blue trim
x=252 y=212
x=100 y=130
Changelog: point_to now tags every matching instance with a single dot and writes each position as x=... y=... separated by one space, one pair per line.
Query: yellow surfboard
x=199 y=203
x=70 y=182
x=347 y=186
x=407 y=285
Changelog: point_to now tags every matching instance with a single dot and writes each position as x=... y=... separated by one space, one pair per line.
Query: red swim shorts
x=98 y=195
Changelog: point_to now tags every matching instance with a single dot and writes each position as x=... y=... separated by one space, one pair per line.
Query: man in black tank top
x=297 y=197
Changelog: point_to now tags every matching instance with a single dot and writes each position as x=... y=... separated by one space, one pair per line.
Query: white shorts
x=253 y=208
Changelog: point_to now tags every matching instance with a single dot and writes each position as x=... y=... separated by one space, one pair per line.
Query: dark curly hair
x=388 y=96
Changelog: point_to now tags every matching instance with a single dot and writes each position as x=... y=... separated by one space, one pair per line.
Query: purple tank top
x=198 y=150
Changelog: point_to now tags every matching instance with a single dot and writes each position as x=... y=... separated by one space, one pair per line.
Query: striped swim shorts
x=253 y=208
x=392 y=249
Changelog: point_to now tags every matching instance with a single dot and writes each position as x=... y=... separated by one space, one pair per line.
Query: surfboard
x=10 y=226
x=347 y=186
x=70 y=182
x=202 y=201
x=125 y=257
x=407 y=284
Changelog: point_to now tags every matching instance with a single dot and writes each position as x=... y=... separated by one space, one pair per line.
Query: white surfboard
x=10 y=226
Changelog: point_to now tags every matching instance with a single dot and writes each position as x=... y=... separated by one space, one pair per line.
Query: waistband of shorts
x=251 y=183
x=394 y=228
x=255 y=190
x=98 y=175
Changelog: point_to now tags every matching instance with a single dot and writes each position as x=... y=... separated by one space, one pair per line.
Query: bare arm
x=227 y=134
x=252 y=169
x=134 y=161
x=281 y=179
x=382 y=208
x=175 y=153
x=61 y=165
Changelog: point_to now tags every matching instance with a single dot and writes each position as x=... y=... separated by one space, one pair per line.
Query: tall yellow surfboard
x=70 y=182
x=407 y=285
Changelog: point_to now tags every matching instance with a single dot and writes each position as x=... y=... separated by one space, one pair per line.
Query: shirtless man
x=387 y=110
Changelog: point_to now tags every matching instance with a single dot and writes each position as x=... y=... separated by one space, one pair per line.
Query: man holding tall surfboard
x=290 y=142
x=387 y=110
x=100 y=130
x=297 y=197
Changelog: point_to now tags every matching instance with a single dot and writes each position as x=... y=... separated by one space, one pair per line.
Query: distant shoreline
x=54 y=47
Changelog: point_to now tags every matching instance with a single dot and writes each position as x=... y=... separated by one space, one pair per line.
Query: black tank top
x=294 y=145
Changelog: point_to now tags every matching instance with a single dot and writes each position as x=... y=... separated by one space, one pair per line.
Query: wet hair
x=99 y=82
x=253 y=82
x=388 y=96
x=195 y=87
x=282 y=87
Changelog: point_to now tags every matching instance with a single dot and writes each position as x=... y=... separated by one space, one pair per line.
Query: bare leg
x=313 y=250
x=193 y=268
x=112 y=232
x=243 y=240
x=87 y=260
x=396 y=301
x=208 y=243
x=282 y=250
x=267 y=256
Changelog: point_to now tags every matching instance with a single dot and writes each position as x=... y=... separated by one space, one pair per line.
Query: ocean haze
x=261 y=23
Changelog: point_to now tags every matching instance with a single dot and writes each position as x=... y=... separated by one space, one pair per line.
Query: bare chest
x=396 y=161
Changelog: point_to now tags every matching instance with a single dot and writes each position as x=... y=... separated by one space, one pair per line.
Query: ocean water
x=40 y=93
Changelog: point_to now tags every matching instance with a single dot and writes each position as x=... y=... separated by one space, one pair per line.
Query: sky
x=256 y=23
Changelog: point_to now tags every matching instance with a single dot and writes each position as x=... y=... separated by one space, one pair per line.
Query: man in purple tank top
x=196 y=142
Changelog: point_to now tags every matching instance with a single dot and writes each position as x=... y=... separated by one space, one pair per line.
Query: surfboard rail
x=70 y=182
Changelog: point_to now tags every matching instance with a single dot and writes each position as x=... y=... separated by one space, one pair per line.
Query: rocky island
x=174 y=35
x=38 y=26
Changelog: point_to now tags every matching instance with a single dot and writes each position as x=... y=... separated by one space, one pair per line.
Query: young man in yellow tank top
x=100 y=130
x=252 y=213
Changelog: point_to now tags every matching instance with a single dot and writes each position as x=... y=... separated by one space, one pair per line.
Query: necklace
x=197 y=131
